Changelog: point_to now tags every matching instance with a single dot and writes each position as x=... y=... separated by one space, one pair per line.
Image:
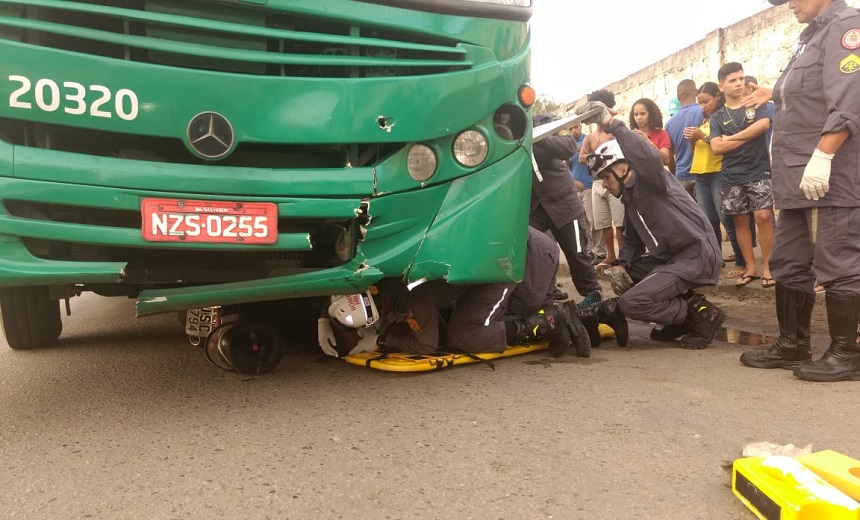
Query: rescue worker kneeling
x=669 y=246
x=531 y=315
x=477 y=318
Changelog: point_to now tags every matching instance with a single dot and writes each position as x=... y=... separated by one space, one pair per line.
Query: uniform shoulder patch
x=849 y=64
x=851 y=39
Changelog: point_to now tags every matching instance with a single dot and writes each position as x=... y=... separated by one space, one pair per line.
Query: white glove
x=367 y=343
x=325 y=337
x=816 y=176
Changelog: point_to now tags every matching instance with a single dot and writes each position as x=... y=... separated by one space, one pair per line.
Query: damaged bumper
x=469 y=230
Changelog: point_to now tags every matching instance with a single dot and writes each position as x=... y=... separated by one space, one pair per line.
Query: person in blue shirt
x=690 y=114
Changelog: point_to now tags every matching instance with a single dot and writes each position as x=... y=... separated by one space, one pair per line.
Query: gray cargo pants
x=656 y=296
x=833 y=258
x=572 y=238
x=476 y=323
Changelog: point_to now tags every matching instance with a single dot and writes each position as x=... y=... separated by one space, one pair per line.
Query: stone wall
x=762 y=43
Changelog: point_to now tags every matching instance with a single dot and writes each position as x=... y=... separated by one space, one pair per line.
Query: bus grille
x=225 y=36
x=166 y=265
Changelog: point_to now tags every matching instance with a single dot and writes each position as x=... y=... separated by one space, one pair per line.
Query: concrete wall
x=762 y=43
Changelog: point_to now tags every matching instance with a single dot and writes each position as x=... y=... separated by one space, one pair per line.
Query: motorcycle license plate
x=206 y=221
x=201 y=322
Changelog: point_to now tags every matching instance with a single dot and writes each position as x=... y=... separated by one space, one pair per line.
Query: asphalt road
x=123 y=419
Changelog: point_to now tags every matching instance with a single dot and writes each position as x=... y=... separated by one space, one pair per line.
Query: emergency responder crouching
x=669 y=245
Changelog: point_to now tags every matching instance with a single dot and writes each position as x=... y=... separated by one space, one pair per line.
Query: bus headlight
x=421 y=162
x=470 y=148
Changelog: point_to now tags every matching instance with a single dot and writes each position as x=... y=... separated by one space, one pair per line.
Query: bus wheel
x=31 y=319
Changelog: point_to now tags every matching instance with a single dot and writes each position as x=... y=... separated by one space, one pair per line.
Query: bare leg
x=608 y=239
x=744 y=237
x=764 y=220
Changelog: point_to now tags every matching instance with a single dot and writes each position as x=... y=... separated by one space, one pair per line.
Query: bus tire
x=31 y=319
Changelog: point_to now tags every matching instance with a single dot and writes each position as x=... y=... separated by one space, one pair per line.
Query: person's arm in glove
x=602 y=118
x=326 y=338
x=620 y=280
x=816 y=176
x=367 y=343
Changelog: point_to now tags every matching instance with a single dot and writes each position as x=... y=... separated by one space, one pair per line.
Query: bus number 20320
x=74 y=98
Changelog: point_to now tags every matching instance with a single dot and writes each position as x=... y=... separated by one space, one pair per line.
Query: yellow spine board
x=606 y=331
x=781 y=488
x=840 y=471
x=401 y=362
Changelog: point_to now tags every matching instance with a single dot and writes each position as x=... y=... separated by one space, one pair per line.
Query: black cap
x=778 y=2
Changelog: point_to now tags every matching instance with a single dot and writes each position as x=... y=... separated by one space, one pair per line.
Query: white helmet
x=354 y=310
x=605 y=156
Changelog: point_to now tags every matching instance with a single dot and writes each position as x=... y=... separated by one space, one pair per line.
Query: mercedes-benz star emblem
x=210 y=135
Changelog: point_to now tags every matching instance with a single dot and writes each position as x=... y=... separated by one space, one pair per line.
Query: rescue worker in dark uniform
x=555 y=206
x=530 y=307
x=477 y=318
x=661 y=217
x=816 y=186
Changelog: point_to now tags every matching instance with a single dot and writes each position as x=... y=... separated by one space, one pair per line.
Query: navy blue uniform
x=683 y=252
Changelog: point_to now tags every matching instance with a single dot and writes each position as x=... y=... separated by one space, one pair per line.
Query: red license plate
x=206 y=221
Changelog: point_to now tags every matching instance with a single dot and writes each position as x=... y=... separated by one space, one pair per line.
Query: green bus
x=221 y=152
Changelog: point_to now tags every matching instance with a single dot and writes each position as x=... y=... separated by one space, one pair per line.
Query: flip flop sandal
x=745 y=280
x=767 y=283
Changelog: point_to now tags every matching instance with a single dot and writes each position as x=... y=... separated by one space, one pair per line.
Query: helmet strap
x=620 y=179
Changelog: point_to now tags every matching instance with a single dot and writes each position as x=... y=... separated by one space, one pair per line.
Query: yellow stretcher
x=402 y=362
x=606 y=331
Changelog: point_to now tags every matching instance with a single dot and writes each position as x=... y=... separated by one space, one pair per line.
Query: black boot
x=671 y=332
x=704 y=318
x=579 y=336
x=558 y=337
x=604 y=311
x=791 y=348
x=609 y=314
x=841 y=362
x=588 y=316
x=548 y=324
